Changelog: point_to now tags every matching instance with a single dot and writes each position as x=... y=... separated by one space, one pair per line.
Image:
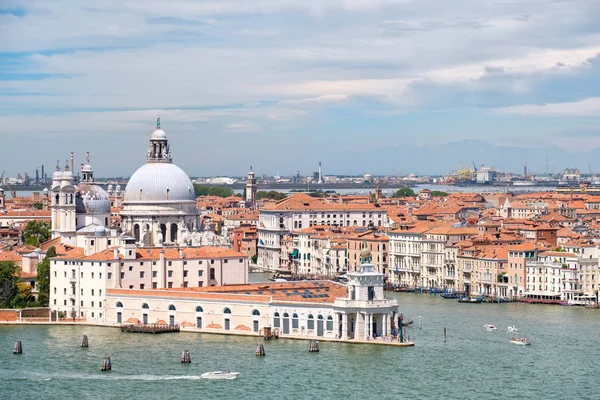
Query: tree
x=404 y=192
x=37 y=206
x=36 y=232
x=23 y=297
x=220 y=191
x=254 y=258
x=9 y=276
x=43 y=278
x=438 y=193
x=271 y=194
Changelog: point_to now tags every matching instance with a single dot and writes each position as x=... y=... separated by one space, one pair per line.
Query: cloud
x=324 y=71
x=581 y=108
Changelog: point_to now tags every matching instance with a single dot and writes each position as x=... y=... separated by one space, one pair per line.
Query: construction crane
x=12 y=192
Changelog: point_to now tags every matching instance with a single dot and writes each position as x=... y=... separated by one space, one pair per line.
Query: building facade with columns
x=312 y=309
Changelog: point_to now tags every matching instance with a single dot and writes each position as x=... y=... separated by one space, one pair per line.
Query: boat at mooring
x=490 y=327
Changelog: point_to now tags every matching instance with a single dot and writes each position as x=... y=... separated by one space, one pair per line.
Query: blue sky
x=283 y=84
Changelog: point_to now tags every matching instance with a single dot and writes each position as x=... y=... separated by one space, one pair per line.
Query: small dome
x=67 y=175
x=57 y=175
x=365 y=253
x=159 y=182
x=158 y=134
x=91 y=199
x=45 y=190
x=87 y=168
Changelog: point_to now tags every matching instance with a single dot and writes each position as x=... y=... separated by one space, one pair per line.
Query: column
x=344 y=326
x=397 y=323
x=366 y=320
x=371 y=325
x=388 y=324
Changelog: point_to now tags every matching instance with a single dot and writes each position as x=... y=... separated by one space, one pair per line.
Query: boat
x=513 y=329
x=520 y=341
x=219 y=375
x=490 y=327
x=472 y=300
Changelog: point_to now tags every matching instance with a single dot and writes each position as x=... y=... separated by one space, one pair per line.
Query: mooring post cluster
x=260 y=350
x=313 y=346
x=18 y=349
x=185 y=357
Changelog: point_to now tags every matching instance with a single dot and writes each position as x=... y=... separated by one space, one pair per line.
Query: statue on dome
x=158 y=123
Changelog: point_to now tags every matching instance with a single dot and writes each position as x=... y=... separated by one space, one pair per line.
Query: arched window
x=173 y=232
x=255 y=312
x=355 y=223
x=227 y=311
x=276 y=320
x=212 y=273
x=320 y=317
x=56 y=199
x=199 y=309
x=294 y=321
x=330 y=323
x=172 y=307
x=136 y=232
x=311 y=322
x=119 y=304
x=145 y=306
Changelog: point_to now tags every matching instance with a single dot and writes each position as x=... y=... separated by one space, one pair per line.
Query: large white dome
x=157 y=182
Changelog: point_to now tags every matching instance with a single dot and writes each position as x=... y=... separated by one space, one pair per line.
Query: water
x=472 y=364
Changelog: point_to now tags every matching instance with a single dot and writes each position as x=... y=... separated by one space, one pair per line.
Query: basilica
x=159 y=205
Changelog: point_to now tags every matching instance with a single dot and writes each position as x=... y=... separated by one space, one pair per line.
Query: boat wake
x=112 y=376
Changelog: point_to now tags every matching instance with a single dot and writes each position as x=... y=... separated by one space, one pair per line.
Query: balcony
x=73 y=280
x=467 y=269
x=450 y=277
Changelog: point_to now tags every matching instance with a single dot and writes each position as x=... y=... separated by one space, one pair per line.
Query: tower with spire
x=63 y=203
x=251 y=189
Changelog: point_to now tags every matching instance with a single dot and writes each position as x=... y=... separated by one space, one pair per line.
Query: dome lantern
x=159 y=150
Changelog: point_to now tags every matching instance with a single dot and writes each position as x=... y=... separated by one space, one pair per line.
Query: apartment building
x=299 y=211
x=79 y=281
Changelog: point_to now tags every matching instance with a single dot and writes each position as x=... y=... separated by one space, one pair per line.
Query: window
x=172 y=307
x=212 y=273
x=199 y=309
x=170 y=274
x=154 y=274
x=122 y=275
x=311 y=322
x=185 y=274
x=110 y=275
x=227 y=311
x=256 y=313
x=200 y=283
x=141 y=274
x=329 y=323
x=154 y=285
x=170 y=285
x=212 y=261
x=131 y=267
x=294 y=321
x=225 y=261
x=276 y=320
x=92 y=275
x=92 y=304
x=119 y=304
x=92 y=292
x=185 y=284
x=145 y=306
x=199 y=273
x=142 y=286
x=170 y=263
x=371 y=293
x=100 y=275
x=130 y=286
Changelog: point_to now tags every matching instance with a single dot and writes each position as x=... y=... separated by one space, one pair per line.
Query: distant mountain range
x=444 y=158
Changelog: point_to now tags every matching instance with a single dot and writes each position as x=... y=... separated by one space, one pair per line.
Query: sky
x=282 y=85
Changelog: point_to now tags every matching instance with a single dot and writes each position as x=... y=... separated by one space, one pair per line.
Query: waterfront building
x=307 y=309
x=405 y=254
x=545 y=275
x=79 y=280
x=299 y=211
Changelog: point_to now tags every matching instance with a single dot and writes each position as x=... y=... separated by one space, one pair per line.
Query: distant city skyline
x=376 y=87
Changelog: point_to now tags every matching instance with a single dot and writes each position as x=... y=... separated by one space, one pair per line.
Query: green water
x=472 y=364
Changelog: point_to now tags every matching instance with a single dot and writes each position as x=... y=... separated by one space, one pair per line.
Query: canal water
x=472 y=364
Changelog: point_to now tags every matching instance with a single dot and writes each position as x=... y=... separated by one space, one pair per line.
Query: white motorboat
x=513 y=329
x=219 y=375
x=490 y=327
x=520 y=341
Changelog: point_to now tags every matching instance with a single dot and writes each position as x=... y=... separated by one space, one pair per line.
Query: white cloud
x=581 y=108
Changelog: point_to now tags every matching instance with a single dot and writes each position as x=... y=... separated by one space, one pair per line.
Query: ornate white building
x=160 y=202
x=79 y=212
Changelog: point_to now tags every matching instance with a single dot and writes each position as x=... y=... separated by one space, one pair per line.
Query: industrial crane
x=12 y=192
